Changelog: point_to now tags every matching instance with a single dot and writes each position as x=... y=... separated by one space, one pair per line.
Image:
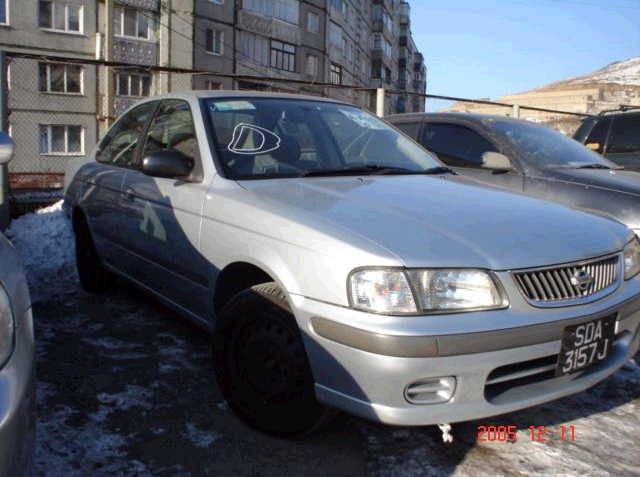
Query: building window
x=212 y=85
x=61 y=140
x=286 y=10
x=60 y=78
x=134 y=23
x=254 y=48
x=335 y=35
x=313 y=22
x=133 y=84
x=217 y=2
x=335 y=74
x=312 y=66
x=283 y=56
x=215 y=41
x=58 y=15
x=4 y=17
x=339 y=6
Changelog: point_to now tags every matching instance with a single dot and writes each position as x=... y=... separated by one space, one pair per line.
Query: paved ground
x=126 y=388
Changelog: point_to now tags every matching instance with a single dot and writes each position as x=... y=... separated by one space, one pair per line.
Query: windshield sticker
x=224 y=106
x=362 y=119
x=252 y=139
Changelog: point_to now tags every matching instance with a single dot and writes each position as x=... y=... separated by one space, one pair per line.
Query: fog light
x=431 y=390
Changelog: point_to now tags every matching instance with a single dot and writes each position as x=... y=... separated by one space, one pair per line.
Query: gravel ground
x=125 y=387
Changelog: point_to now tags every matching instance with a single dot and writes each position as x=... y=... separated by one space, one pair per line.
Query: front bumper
x=363 y=363
x=17 y=403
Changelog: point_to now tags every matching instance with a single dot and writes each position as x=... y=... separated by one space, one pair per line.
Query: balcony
x=137 y=52
x=405 y=13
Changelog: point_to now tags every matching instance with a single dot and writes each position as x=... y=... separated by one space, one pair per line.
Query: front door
x=165 y=215
x=114 y=157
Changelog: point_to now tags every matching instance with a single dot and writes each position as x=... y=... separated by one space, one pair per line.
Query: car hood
x=440 y=221
x=616 y=180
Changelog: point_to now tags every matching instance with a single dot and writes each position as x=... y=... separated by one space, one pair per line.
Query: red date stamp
x=509 y=433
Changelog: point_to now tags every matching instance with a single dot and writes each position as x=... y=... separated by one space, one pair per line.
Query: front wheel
x=261 y=365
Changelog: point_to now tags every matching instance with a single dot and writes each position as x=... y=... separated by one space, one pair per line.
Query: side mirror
x=6 y=148
x=167 y=163
x=496 y=161
x=594 y=146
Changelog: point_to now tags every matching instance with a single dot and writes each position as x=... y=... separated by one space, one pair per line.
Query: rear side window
x=598 y=136
x=410 y=129
x=119 y=145
x=456 y=146
x=625 y=134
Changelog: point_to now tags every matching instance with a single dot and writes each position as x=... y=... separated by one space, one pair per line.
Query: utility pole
x=109 y=78
x=5 y=217
x=380 y=97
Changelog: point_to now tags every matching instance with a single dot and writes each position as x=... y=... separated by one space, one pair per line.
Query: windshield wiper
x=590 y=166
x=593 y=166
x=374 y=169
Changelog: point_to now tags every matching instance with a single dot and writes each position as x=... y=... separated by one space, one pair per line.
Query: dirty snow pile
x=45 y=241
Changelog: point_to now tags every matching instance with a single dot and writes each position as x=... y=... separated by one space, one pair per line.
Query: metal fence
x=58 y=108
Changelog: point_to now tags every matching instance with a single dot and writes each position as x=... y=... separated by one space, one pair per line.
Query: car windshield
x=258 y=138
x=539 y=146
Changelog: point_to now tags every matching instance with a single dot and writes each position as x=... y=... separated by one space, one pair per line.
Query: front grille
x=558 y=284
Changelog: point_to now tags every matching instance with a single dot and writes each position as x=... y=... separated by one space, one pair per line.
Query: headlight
x=381 y=291
x=429 y=291
x=6 y=327
x=631 y=256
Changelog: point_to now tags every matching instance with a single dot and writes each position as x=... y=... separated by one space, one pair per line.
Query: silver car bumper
x=17 y=403
x=502 y=360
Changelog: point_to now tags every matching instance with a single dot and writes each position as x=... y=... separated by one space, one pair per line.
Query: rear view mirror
x=168 y=163
x=496 y=161
x=6 y=148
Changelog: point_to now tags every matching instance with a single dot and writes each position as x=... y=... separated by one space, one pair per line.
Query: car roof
x=617 y=114
x=200 y=94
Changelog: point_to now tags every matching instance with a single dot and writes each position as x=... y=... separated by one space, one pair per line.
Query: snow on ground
x=45 y=241
x=126 y=388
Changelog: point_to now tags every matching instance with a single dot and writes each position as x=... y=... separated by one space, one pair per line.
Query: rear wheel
x=261 y=364
x=93 y=277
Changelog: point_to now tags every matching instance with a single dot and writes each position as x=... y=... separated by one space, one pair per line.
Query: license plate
x=585 y=344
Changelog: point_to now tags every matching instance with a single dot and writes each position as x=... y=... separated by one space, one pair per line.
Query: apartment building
x=59 y=110
x=52 y=105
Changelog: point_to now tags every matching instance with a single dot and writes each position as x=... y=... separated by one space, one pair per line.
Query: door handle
x=129 y=195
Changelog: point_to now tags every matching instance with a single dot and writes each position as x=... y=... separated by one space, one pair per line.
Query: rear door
x=461 y=148
x=164 y=215
x=623 y=146
x=102 y=204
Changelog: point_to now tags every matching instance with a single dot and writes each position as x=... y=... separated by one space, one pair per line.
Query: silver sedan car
x=340 y=265
x=17 y=373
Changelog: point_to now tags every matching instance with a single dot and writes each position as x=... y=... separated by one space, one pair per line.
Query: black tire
x=261 y=365
x=93 y=277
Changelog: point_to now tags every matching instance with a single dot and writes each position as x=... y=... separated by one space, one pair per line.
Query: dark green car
x=614 y=135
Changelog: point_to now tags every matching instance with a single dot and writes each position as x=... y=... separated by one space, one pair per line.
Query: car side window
x=172 y=128
x=119 y=145
x=456 y=146
x=625 y=134
x=411 y=129
x=598 y=136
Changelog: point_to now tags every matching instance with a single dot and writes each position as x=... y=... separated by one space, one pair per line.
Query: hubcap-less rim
x=269 y=361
